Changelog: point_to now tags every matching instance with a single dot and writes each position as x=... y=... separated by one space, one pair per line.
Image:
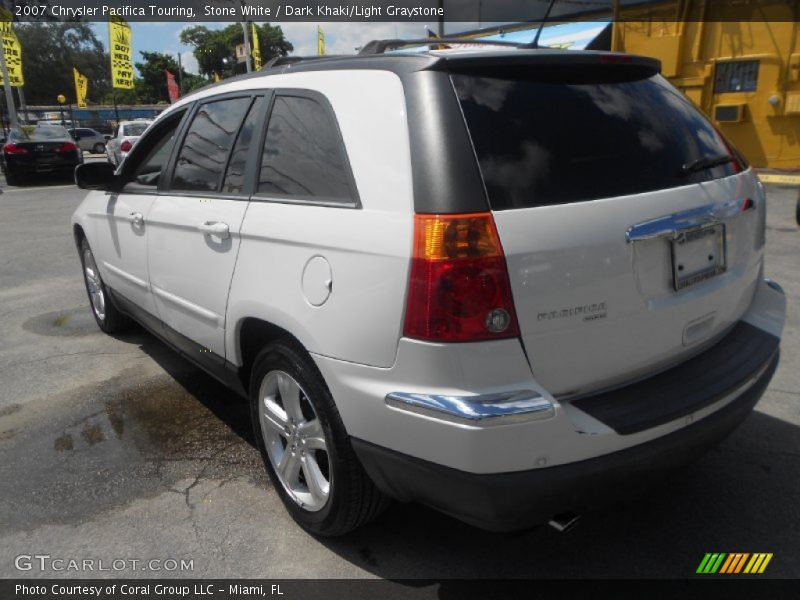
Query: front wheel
x=108 y=318
x=99 y=148
x=305 y=448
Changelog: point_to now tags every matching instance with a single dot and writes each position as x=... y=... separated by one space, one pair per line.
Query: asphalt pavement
x=115 y=448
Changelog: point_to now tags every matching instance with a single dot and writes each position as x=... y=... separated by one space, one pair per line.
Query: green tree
x=51 y=50
x=215 y=49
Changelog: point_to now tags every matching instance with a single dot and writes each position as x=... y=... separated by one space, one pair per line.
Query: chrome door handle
x=214 y=228
x=137 y=219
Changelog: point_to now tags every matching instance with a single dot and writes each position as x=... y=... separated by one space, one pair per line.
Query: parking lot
x=116 y=448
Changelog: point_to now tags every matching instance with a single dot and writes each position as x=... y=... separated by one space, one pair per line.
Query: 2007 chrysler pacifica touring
x=504 y=283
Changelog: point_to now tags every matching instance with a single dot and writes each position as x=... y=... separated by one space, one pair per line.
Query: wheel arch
x=252 y=335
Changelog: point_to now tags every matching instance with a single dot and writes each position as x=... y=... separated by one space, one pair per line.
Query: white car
x=510 y=285
x=125 y=136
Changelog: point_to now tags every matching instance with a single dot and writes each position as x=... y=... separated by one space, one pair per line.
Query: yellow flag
x=119 y=41
x=12 y=50
x=320 y=41
x=81 y=87
x=256 y=50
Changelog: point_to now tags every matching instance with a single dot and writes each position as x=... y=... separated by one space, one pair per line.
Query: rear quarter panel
x=368 y=248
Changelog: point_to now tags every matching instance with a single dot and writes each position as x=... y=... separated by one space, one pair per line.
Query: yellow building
x=739 y=61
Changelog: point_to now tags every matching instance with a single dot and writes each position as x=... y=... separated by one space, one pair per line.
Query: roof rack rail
x=381 y=46
x=282 y=61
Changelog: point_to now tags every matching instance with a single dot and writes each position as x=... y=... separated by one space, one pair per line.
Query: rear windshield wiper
x=707 y=162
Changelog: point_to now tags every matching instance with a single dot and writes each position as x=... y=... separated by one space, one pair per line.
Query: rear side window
x=543 y=142
x=303 y=154
x=204 y=153
x=235 y=175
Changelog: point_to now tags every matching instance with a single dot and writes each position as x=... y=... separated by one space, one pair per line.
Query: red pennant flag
x=172 y=87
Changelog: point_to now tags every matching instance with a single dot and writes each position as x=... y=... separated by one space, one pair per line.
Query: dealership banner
x=256 y=50
x=465 y=11
x=12 y=50
x=81 y=87
x=119 y=43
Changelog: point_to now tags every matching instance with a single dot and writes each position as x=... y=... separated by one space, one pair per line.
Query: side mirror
x=96 y=176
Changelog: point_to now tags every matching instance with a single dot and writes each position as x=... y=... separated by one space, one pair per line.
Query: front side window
x=204 y=153
x=157 y=147
x=303 y=153
x=736 y=76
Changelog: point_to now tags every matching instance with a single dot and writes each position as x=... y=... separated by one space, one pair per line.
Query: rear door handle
x=137 y=219
x=215 y=228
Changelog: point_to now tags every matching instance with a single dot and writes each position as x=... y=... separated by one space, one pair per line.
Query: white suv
x=507 y=284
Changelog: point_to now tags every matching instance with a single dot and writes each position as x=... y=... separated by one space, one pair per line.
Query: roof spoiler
x=550 y=58
x=381 y=46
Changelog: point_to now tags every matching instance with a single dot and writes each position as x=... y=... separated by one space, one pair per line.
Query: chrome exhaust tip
x=564 y=522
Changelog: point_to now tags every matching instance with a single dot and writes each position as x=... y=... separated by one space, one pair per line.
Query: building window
x=736 y=76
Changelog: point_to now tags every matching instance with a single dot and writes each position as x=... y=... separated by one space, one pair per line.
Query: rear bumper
x=509 y=501
x=33 y=166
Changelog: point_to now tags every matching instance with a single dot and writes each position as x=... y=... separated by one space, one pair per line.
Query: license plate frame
x=698 y=255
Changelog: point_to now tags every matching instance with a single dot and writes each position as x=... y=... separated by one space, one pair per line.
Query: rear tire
x=304 y=445
x=797 y=210
x=107 y=316
x=99 y=148
x=12 y=178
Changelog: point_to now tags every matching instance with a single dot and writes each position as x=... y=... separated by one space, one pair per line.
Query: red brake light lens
x=736 y=164
x=126 y=146
x=459 y=289
x=14 y=149
x=67 y=147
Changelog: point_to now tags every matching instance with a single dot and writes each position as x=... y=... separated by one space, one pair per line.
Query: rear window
x=38 y=133
x=134 y=128
x=544 y=142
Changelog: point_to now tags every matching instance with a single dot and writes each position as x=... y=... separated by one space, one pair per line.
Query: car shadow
x=227 y=406
x=740 y=497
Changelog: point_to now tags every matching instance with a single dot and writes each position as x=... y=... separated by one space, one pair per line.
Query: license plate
x=44 y=168
x=698 y=255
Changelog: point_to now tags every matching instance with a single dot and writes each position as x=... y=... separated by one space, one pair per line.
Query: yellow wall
x=769 y=132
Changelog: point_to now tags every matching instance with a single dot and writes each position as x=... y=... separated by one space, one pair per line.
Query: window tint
x=38 y=133
x=208 y=142
x=303 y=154
x=736 y=76
x=541 y=143
x=234 y=177
x=148 y=172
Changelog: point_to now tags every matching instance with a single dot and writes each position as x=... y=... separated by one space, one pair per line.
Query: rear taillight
x=126 y=146
x=67 y=147
x=459 y=289
x=14 y=149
